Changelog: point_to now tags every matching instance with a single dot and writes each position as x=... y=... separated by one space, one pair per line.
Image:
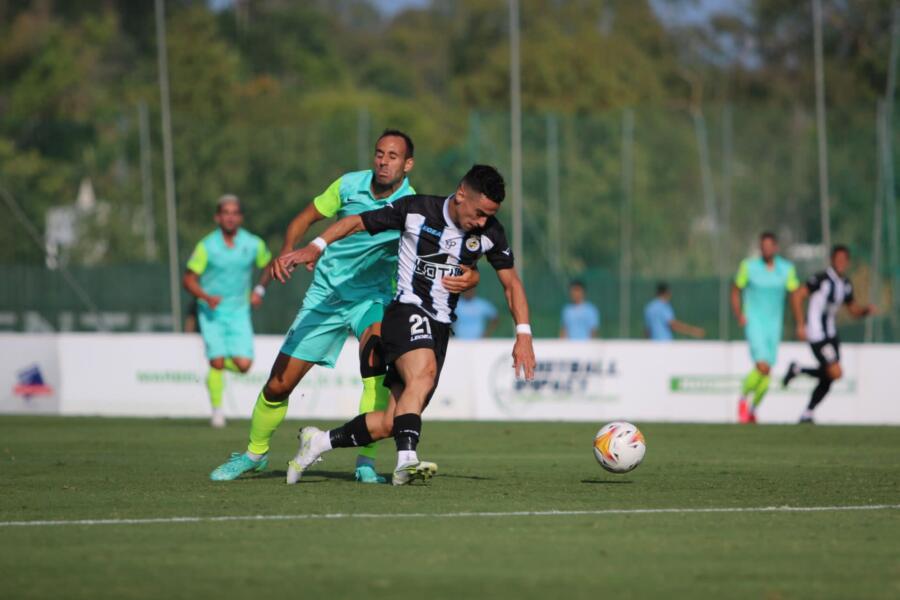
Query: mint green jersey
x=226 y=271
x=361 y=266
x=764 y=290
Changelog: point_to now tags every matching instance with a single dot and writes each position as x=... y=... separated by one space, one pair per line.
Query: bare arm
x=191 y=282
x=860 y=311
x=523 y=349
x=685 y=329
x=297 y=228
x=299 y=225
x=736 y=307
x=797 y=298
x=310 y=253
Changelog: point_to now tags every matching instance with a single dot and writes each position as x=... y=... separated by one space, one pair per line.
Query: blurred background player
x=757 y=299
x=476 y=317
x=440 y=234
x=351 y=285
x=827 y=291
x=218 y=275
x=580 y=318
x=659 y=317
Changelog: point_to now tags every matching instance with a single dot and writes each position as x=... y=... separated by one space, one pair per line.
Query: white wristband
x=319 y=243
x=523 y=329
x=259 y=290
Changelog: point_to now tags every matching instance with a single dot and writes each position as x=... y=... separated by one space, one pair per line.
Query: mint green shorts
x=226 y=334
x=317 y=334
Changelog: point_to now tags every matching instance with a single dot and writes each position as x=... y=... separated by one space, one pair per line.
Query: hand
x=284 y=264
x=523 y=356
x=801 y=332
x=256 y=300
x=213 y=301
x=742 y=320
x=460 y=283
x=699 y=333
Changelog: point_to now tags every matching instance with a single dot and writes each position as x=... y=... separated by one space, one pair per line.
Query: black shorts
x=406 y=327
x=827 y=352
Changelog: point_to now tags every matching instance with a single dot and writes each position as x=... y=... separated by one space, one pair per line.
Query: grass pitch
x=86 y=469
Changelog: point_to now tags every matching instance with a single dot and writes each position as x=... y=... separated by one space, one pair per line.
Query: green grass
x=64 y=469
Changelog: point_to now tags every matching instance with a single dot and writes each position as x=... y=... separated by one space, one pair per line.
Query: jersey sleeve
x=848 y=292
x=328 y=203
x=198 y=260
x=668 y=313
x=595 y=317
x=792 y=283
x=263 y=256
x=500 y=254
x=814 y=282
x=743 y=275
x=392 y=216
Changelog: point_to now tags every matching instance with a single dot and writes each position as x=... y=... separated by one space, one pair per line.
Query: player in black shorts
x=441 y=236
x=827 y=292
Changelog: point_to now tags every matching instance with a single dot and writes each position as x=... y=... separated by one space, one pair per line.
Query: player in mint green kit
x=757 y=299
x=352 y=284
x=218 y=275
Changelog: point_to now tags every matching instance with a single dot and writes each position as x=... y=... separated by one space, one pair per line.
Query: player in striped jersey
x=350 y=288
x=440 y=235
x=827 y=291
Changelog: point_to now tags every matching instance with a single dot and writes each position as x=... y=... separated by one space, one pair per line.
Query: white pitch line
x=456 y=515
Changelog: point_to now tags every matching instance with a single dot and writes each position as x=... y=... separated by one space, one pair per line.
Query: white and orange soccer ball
x=619 y=447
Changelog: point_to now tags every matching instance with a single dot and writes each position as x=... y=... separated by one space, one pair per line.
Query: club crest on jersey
x=473 y=244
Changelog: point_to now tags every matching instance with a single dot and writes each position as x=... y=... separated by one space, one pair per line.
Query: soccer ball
x=619 y=447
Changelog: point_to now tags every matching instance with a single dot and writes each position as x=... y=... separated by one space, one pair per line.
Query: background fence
x=621 y=200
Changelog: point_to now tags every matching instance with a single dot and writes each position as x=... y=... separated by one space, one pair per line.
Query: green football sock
x=230 y=366
x=375 y=397
x=761 y=388
x=751 y=381
x=215 y=383
x=267 y=416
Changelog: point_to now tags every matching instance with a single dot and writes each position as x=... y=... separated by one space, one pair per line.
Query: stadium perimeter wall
x=162 y=375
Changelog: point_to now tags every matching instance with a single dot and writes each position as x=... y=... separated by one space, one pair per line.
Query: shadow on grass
x=472 y=477
x=606 y=481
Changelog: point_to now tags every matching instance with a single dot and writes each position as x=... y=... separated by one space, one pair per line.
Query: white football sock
x=404 y=457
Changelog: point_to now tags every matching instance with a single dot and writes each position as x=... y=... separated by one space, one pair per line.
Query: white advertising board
x=164 y=375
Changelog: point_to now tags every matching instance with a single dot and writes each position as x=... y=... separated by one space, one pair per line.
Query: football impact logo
x=30 y=383
x=473 y=244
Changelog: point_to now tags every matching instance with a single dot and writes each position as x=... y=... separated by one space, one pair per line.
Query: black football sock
x=818 y=394
x=351 y=434
x=407 y=429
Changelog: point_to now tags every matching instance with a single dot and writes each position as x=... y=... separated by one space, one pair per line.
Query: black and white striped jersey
x=432 y=247
x=827 y=292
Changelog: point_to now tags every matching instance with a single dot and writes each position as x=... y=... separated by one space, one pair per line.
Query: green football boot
x=367 y=474
x=237 y=465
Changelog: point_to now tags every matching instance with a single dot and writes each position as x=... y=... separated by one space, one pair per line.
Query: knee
x=384 y=427
x=243 y=365
x=423 y=381
x=277 y=389
x=835 y=372
x=217 y=363
x=763 y=368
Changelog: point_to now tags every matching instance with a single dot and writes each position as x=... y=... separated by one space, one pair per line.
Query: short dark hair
x=840 y=248
x=768 y=235
x=662 y=288
x=486 y=180
x=577 y=283
x=410 y=147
